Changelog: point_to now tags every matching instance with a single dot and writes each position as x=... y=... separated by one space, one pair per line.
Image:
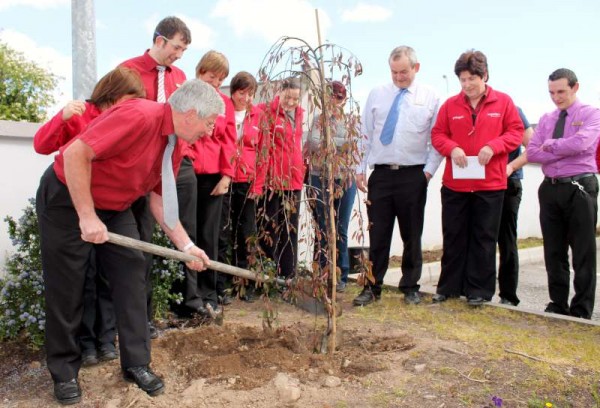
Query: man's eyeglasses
x=176 y=47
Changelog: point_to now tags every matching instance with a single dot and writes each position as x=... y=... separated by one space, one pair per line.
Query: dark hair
x=338 y=90
x=213 y=61
x=242 y=80
x=564 y=73
x=168 y=27
x=290 y=83
x=117 y=83
x=473 y=61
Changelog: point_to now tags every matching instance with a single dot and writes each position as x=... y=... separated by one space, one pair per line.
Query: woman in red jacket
x=238 y=221
x=475 y=130
x=281 y=170
x=98 y=325
x=213 y=157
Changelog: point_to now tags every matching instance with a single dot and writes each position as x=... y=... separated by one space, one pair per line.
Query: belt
x=396 y=166
x=560 y=180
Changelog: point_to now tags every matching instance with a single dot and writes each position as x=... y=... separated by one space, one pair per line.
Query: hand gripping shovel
x=304 y=300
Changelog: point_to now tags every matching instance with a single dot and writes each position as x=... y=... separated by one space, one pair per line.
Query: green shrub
x=21 y=290
x=164 y=273
x=22 y=306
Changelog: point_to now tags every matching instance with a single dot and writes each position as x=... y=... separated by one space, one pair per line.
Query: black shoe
x=107 y=352
x=89 y=358
x=153 y=330
x=67 y=393
x=145 y=379
x=554 y=308
x=439 y=298
x=412 y=298
x=504 y=301
x=341 y=287
x=366 y=297
x=475 y=300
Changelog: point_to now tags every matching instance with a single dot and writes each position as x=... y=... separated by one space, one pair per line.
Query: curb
x=431 y=271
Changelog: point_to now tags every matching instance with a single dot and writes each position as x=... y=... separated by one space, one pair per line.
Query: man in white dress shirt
x=396 y=126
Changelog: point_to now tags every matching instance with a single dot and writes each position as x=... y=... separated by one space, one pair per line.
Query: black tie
x=559 y=129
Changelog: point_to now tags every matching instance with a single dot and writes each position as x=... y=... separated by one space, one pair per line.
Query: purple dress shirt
x=575 y=152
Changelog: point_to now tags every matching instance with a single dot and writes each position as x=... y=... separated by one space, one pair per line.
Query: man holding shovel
x=87 y=192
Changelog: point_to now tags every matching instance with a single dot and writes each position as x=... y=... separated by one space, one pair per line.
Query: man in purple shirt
x=565 y=143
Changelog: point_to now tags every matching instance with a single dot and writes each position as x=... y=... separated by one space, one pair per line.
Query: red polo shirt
x=128 y=141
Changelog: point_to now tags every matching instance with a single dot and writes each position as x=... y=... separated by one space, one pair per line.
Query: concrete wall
x=21 y=168
x=20 y=171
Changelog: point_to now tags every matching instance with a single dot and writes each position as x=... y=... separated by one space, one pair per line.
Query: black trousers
x=65 y=260
x=279 y=224
x=397 y=195
x=208 y=218
x=470 y=224
x=568 y=215
x=145 y=224
x=508 y=271
x=238 y=223
x=98 y=325
x=187 y=198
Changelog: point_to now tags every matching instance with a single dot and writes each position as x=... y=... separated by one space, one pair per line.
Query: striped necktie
x=160 y=91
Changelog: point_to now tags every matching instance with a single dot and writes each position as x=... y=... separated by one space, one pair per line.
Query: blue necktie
x=387 y=133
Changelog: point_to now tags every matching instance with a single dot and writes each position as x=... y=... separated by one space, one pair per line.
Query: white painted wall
x=528 y=225
x=21 y=169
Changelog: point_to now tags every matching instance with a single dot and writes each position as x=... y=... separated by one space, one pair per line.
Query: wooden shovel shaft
x=182 y=256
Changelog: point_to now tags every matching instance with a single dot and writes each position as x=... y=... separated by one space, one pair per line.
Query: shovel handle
x=169 y=253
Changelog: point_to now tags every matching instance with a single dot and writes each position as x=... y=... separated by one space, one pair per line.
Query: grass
x=564 y=356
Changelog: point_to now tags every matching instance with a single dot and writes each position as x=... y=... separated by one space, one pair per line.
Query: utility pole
x=83 y=33
x=447 y=89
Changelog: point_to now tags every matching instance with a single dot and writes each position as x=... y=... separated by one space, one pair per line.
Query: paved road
x=533 y=282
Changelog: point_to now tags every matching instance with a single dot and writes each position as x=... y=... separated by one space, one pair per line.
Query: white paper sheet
x=474 y=170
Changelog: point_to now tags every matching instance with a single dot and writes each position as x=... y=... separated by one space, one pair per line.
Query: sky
x=524 y=40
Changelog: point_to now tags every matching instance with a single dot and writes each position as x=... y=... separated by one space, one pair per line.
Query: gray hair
x=197 y=95
x=401 y=51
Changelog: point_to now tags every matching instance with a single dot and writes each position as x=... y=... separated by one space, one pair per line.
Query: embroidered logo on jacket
x=494 y=115
x=458 y=117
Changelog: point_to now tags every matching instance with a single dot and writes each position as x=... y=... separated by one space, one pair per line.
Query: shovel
x=305 y=300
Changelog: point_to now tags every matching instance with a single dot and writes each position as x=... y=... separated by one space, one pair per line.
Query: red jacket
x=497 y=125
x=280 y=162
x=57 y=132
x=247 y=147
x=214 y=154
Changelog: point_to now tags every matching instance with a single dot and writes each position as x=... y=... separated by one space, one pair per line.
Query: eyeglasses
x=176 y=47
